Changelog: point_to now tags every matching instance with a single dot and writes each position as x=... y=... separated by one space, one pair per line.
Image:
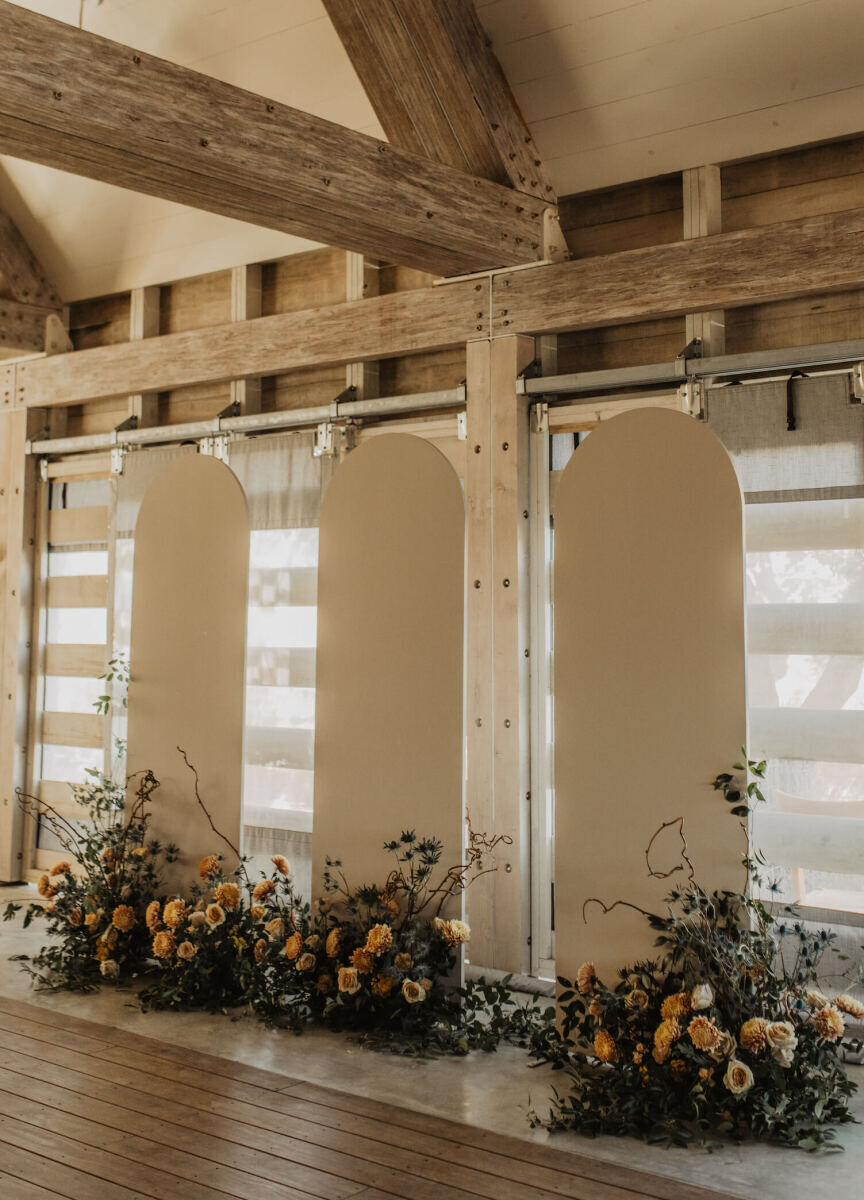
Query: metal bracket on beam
x=118 y=459
x=43 y=470
x=216 y=446
x=857 y=391
x=540 y=417
x=533 y=370
x=334 y=441
x=693 y=349
x=462 y=426
x=691 y=396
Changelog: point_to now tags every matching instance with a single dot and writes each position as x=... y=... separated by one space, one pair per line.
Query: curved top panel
x=649 y=675
x=388 y=740
x=188 y=653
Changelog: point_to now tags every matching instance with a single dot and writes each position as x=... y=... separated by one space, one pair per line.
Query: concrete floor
x=493 y=1091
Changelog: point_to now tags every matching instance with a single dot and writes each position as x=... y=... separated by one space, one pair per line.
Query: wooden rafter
x=433 y=79
x=90 y=106
x=729 y=270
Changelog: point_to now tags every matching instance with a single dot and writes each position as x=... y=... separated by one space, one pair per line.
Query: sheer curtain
x=284 y=484
x=804 y=531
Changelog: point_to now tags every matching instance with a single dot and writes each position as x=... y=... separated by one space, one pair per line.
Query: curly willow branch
x=685 y=859
x=205 y=809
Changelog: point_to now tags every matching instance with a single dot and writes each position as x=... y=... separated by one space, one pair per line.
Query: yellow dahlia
x=828 y=1023
x=61 y=868
x=605 y=1047
x=704 y=1034
x=753 y=1034
x=174 y=913
x=75 y=917
x=677 y=1005
x=293 y=946
x=123 y=918
x=849 y=1005
x=257 y=912
x=379 y=939
x=260 y=950
x=281 y=864
x=362 y=961
x=585 y=977
x=382 y=984
x=209 y=866
x=667 y=1032
x=263 y=889
x=163 y=944
x=404 y=962
x=228 y=895
x=152 y=915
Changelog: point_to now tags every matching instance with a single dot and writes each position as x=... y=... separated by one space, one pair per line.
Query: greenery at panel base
x=725 y=1033
x=375 y=962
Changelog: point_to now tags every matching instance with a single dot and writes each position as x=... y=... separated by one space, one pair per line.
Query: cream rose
x=412 y=992
x=348 y=980
x=701 y=997
x=738 y=1078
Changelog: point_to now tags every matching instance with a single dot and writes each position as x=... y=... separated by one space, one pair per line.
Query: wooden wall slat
x=86 y=730
x=69 y=525
x=83 y=662
x=78 y=591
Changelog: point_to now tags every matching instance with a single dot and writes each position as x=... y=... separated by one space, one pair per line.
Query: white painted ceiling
x=613 y=90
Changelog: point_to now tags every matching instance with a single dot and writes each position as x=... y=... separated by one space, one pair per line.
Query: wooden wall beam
x=17 y=529
x=383 y=327
x=437 y=88
x=22 y=326
x=246 y=306
x=794 y=258
x=497 y=717
x=731 y=270
x=84 y=104
x=703 y=218
x=144 y=323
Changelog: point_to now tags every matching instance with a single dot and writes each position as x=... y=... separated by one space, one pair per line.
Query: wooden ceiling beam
x=729 y=270
x=437 y=88
x=81 y=103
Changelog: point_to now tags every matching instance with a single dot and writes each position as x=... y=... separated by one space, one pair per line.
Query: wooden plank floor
x=88 y=1112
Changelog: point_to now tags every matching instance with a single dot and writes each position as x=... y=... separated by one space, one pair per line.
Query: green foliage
x=95 y=911
x=725 y=1032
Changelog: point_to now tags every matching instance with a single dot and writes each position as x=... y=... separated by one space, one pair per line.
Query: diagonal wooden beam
x=730 y=270
x=21 y=272
x=432 y=77
x=87 y=105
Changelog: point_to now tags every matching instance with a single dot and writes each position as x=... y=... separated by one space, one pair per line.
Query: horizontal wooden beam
x=729 y=270
x=20 y=271
x=437 y=88
x=90 y=106
x=22 y=326
x=362 y=330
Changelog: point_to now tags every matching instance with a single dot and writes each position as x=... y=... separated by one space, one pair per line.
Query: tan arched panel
x=388 y=725
x=188 y=653
x=649 y=676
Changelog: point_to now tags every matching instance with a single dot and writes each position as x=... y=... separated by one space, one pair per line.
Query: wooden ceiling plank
x=79 y=102
x=432 y=77
x=21 y=271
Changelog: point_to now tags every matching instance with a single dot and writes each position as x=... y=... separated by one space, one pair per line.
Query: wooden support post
x=246 y=305
x=361 y=283
x=498 y=745
x=144 y=323
x=702 y=218
x=16 y=547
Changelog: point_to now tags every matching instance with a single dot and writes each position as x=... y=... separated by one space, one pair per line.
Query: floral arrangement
x=95 y=901
x=727 y=1032
x=374 y=961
